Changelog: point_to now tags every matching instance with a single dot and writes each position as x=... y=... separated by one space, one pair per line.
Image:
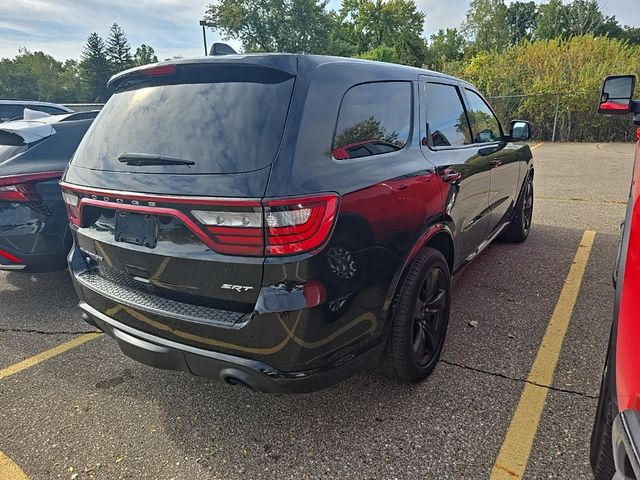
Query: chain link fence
x=564 y=117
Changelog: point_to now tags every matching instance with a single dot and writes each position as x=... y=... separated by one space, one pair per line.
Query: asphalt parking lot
x=90 y=412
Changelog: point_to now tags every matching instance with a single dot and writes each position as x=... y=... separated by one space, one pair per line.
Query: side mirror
x=617 y=95
x=520 y=131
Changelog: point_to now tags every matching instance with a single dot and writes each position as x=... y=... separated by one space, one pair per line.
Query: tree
x=631 y=34
x=578 y=18
x=486 y=25
x=95 y=68
x=39 y=76
x=552 y=20
x=364 y=131
x=381 y=54
x=144 y=55
x=296 y=26
x=118 y=49
x=521 y=18
x=446 y=46
x=398 y=24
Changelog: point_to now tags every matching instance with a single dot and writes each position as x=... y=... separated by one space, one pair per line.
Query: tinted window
x=226 y=122
x=9 y=151
x=47 y=109
x=484 y=123
x=374 y=118
x=9 y=112
x=448 y=124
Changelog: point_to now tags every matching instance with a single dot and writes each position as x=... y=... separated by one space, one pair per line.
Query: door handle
x=495 y=163
x=452 y=176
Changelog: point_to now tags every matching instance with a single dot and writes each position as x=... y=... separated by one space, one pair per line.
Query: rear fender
x=399 y=278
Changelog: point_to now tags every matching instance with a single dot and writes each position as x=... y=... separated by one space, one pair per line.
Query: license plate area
x=137 y=229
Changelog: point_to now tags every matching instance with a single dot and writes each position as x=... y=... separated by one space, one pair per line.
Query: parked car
x=615 y=440
x=34 y=230
x=225 y=239
x=11 y=109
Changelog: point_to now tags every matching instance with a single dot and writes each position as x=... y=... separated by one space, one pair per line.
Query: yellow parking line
x=9 y=470
x=41 y=357
x=537 y=145
x=516 y=448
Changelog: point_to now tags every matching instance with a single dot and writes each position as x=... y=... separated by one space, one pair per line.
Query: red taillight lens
x=22 y=188
x=236 y=229
x=11 y=258
x=71 y=201
x=160 y=71
x=19 y=194
x=298 y=225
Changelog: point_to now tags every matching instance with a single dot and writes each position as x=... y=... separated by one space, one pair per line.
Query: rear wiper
x=142 y=159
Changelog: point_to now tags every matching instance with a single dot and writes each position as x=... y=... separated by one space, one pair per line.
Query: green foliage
x=486 y=25
x=540 y=70
x=446 y=46
x=298 y=26
x=118 y=49
x=38 y=76
x=521 y=19
x=396 y=24
x=144 y=55
x=381 y=54
x=307 y=26
x=95 y=68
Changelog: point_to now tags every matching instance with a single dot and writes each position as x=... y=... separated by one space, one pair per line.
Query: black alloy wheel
x=520 y=226
x=420 y=319
x=430 y=310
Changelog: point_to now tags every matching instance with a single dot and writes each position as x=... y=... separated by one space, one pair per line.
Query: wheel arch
x=437 y=236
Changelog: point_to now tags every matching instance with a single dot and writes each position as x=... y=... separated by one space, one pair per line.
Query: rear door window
x=374 y=118
x=224 y=119
x=446 y=117
x=485 y=125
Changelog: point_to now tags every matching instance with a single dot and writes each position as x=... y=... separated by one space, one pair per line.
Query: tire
x=520 y=226
x=601 y=450
x=420 y=319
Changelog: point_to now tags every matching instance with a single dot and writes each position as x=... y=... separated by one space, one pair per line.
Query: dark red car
x=615 y=441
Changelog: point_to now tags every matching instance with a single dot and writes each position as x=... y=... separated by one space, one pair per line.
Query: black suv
x=283 y=221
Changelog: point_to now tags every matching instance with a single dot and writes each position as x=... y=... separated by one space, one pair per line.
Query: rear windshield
x=230 y=123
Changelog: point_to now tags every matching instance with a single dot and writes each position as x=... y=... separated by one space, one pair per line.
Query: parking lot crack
x=43 y=332
x=516 y=379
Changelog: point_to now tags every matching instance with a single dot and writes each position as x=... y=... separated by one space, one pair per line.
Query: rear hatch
x=165 y=190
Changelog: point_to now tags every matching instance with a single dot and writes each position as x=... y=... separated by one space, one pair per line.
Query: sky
x=61 y=27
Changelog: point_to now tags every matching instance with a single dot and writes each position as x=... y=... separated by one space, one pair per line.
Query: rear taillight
x=19 y=194
x=281 y=227
x=71 y=201
x=8 y=256
x=298 y=225
x=22 y=188
x=271 y=227
x=236 y=229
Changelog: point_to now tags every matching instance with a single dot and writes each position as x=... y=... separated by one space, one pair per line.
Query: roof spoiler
x=284 y=63
x=22 y=133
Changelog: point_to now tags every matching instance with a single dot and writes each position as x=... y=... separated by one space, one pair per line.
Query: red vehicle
x=615 y=441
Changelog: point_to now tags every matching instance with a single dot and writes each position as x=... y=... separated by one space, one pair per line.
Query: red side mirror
x=617 y=95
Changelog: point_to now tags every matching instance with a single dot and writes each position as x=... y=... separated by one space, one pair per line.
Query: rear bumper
x=163 y=353
x=626 y=445
x=41 y=262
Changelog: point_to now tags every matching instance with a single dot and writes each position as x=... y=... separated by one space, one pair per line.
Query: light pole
x=204 y=24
